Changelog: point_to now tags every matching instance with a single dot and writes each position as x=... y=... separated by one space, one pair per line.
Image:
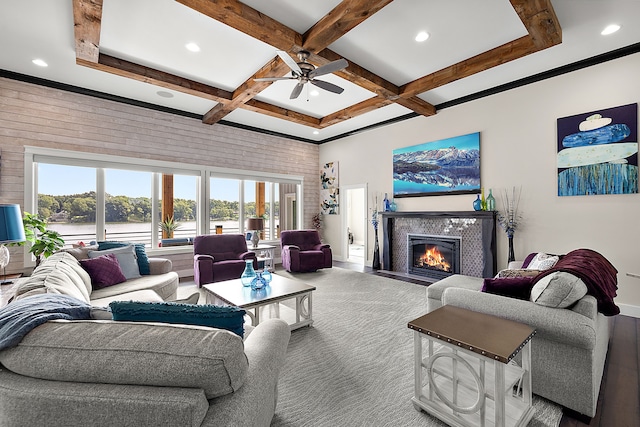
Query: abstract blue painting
x=598 y=152
x=446 y=166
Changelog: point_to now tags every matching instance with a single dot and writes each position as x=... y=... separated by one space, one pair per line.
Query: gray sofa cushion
x=164 y=285
x=132 y=353
x=30 y=402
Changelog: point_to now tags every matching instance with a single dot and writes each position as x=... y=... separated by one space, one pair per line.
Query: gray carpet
x=354 y=366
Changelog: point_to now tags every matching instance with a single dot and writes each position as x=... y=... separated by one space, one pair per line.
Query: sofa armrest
x=248 y=255
x=321 y=247
x=291 y=248
x=160 y=265
x=555 y=324
x=254 y=403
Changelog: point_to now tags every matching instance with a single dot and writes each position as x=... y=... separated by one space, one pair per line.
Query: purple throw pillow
x=528 y=259
x=514 y=287
x=103 y=270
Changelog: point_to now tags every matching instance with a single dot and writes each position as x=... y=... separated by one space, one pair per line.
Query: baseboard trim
x=630 y=310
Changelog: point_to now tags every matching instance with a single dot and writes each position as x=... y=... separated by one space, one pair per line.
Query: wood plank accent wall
x=32 y=115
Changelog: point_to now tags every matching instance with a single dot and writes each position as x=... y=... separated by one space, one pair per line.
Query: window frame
x=35 y=155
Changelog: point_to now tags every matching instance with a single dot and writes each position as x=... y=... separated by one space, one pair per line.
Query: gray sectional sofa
x=114 y=373
x=568 y=350
x=62 y=273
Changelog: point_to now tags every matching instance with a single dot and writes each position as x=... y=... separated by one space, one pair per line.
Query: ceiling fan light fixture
x=422 y=36
x=193 y=47
x=610 y=29
x=316 y=132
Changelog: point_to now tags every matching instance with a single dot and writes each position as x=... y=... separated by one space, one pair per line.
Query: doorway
x=355 y=224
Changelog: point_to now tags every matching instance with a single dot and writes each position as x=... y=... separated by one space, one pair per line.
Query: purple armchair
x=219 y=257
x=301 y=251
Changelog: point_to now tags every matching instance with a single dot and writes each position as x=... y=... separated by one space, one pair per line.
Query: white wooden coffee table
x=231 y=292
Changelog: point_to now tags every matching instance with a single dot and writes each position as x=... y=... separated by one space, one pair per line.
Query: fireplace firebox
x=434 y=257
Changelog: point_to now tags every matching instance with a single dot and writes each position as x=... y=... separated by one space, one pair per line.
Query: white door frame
x=344 y=236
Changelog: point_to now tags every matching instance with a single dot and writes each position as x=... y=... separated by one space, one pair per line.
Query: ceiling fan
x=305 y=72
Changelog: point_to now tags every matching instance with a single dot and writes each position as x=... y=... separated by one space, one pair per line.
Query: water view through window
x=70 y=200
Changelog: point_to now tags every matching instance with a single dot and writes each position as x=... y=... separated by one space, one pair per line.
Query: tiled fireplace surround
x=477 y=230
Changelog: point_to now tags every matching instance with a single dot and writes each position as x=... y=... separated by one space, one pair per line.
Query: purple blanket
x=596 y=272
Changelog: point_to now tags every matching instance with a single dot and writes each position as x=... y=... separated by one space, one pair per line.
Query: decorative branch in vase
x=509 y=217
x=376 y=248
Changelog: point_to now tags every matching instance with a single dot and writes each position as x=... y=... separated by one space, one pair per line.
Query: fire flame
x=432 y=258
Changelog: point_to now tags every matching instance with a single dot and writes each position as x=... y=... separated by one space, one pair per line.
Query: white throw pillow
x=558 y=289
x=542 y=261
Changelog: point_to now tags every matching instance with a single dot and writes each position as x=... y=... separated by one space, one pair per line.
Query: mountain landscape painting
x=447 y=166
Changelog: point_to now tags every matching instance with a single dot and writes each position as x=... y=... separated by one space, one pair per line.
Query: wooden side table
x=467 y=377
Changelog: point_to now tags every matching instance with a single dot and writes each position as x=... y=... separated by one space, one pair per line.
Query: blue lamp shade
x=11 y=226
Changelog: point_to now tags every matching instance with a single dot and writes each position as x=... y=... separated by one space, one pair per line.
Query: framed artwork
x=329 y=192
x=598 y=152
x=447 y=166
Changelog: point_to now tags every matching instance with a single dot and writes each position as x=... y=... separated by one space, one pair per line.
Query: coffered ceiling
x=136 y=49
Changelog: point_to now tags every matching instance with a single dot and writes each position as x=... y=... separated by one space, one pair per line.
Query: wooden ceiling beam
x=348 y=14
x=540 y=20
x=342 y=19
x=355 y=110
x=543 y=26
x=500 y=55
x=120 y=67
x=281 y=113
x=249 y=21
x=87 y=21
x=247 y=90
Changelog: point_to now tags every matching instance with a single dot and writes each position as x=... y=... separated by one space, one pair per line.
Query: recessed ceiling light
x=164 y=94
x=192 y=47
x=314 y=93
x=422 y=36
x=315 y=132
x=40 y=63
x=610 y=29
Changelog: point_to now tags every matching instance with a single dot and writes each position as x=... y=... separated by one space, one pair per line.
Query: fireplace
x=435 y=257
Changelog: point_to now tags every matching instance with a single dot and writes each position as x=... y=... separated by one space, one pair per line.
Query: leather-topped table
x=469 y=369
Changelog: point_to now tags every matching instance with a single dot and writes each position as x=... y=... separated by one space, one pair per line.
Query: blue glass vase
x=477 y=204
x=267 y=276
x=248 y=274
x=258 y=282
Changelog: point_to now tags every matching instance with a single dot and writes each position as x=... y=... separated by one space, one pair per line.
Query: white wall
x=518 y=148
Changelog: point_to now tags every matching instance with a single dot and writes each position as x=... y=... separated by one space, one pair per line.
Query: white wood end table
x=468 y=377
x=231 y=292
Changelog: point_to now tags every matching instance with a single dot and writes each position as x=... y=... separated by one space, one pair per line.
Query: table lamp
x=255 y=224
x=11 y=231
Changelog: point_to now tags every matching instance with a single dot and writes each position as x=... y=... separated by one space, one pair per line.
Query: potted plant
x=43 y=242
x=168 y=226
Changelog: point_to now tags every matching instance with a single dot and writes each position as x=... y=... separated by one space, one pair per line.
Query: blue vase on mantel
x=477 y=204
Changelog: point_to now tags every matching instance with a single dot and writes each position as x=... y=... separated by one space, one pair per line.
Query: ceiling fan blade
x=289 y=61
x=329 y=68
x=296 y=91
x=327 y=86
x=273 y=79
